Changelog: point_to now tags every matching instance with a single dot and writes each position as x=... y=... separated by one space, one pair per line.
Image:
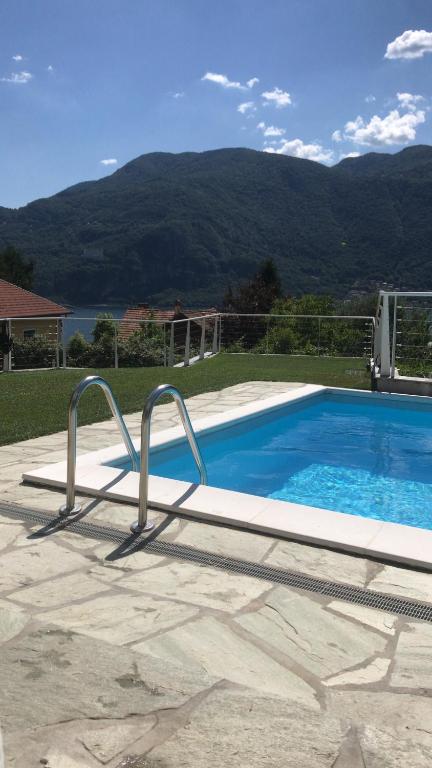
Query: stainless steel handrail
x=70 y=507
x=142 y=524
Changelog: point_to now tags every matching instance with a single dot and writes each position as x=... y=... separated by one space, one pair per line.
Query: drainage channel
x=398 y=605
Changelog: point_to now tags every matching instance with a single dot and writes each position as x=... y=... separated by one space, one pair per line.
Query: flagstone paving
x=136 y=660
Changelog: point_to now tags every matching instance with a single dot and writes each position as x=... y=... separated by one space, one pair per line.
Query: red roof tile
x=135 y=315
x=16 y=302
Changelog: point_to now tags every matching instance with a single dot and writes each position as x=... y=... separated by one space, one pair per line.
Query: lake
x=83 y=319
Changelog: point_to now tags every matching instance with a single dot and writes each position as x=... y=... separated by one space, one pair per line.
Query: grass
x=35 y=403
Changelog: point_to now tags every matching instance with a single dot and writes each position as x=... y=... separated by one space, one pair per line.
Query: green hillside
x=186 y=225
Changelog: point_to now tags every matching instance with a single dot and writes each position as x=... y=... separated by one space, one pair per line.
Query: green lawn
x=35 y=403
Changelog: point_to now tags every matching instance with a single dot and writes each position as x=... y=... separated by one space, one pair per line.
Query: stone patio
x=142 y=661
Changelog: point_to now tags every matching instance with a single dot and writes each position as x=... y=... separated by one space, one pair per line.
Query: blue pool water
x=364 y=456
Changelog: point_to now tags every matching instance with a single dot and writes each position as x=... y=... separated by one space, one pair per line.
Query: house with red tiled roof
x=134 y=317
x=24 y=315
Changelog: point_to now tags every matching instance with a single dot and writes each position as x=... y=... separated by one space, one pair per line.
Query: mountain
x=187 y=225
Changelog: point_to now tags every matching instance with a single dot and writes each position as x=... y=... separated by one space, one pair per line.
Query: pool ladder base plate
x=64 y=510
x=137 y=528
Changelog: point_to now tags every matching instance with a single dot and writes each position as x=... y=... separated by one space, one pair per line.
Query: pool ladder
x=142 y=524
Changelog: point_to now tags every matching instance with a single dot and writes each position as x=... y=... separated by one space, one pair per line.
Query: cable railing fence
x=106 y=342
x=317 y=335
x=411 y=329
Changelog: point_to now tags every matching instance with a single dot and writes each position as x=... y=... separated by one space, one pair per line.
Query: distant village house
x=24 y=315
x=134 y=317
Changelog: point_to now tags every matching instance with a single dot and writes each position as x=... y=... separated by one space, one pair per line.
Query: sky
x=87 y=85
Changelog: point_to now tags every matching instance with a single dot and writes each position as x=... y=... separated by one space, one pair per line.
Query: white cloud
x=246 y=106
x=394 y=128
x=178 y=95
x=278 y=97
x=17 y=57
x=412 y=44
x=17 y=78
x=225 y=82
x=343 y=155
x=337 y=136
x=109 y=161
x=297 y=148
x=409 y=100
x=370 y=98
x=50 y=68
x=270 y=130
x=222 y=80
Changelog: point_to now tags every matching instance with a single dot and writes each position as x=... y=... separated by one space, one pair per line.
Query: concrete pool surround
x=386 y=540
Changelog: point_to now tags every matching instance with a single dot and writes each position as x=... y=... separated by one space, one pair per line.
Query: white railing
x=315 y=335
x=403 y=339
x=182 y=342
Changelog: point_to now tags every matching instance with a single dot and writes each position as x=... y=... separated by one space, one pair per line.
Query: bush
x=142 y=350
x=77 y=350
x=34 y=353
x=282 y=341
x=144 y=347
x=235 y=346
x=104 y=327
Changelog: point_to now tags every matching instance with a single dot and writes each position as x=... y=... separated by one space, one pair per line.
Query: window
x=29 y=333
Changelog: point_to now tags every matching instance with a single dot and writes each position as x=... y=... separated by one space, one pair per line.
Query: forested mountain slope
x=186 y=225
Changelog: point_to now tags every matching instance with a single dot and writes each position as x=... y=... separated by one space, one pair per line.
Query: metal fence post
x=164 y=346
x=378 y=334
x=115 y=346
x=171 y=347
x=385 y=337
x=7 y=357
x=202 y=343
x=57 y=355
x=64 y=354
x=393 y=357
x=215 y=335
x=319 y=337
x=187 y=344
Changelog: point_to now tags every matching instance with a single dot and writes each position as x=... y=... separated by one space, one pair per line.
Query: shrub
x=141 y=350
x=282 y=341
x=77 y=350
x=34 y=353
x=104 y=327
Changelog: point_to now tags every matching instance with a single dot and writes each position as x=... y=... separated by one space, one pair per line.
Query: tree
x=308 y=304
x=104 y=329
x=259 y=294
x=15 y=269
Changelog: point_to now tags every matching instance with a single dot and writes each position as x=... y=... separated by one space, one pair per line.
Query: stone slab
x=232 y=729
x=371 y=617
x=12 y=620
x=120 y=618
x=224 y=541
x=371 y=673
x=10 y=533
x=198 y=585
x=404 y=582
x=322 y=563
x=72 y=677
x=61 y=591
x=413 y=658
x=211 y=645
x=299 y=627
x=42 y=560
x=403 y=717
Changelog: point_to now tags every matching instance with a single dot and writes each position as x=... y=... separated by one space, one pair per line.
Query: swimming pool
x=338 y=468
x=352 y=455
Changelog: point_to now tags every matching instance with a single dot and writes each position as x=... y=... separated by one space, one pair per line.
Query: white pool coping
x=364 y=536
